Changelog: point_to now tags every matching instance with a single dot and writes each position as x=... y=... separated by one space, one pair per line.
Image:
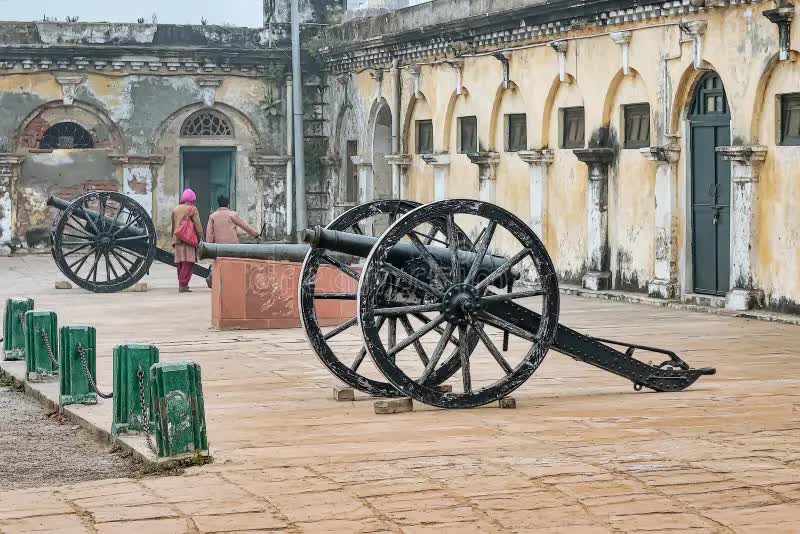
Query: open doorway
x=209 y=172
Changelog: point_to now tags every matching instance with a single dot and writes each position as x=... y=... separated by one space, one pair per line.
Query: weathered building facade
x=142 y=109
x=652 y=146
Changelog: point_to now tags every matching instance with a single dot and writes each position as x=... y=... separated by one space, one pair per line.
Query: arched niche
x=381 y=146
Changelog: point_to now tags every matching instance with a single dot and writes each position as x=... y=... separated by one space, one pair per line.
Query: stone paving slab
x=582 y=453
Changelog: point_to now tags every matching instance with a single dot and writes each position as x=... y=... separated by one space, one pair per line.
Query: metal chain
x=46 y=340
x=145 y=413
x=82 y=353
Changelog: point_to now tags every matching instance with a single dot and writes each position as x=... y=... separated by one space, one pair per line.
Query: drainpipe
x=396 y=192
x=289 y=165
x=297 y=113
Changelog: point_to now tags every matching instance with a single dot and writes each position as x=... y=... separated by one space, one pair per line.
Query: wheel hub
x=460 y=302
x=105 y=241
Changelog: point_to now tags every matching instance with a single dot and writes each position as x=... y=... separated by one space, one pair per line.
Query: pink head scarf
x=188 y=196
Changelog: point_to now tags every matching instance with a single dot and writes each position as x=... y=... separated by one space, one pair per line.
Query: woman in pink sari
x=185 y=253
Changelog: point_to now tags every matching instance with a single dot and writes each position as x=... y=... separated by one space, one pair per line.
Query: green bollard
x=75 y=385
x=41 y=344
x=177 y=407
x=14 y=328
x=131 y=386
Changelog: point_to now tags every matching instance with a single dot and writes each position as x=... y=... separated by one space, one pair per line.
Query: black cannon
x=426 y=277
x=106 y=242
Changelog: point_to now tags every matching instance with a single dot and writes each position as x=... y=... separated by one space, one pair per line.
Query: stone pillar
x=400 y=164
x=9 y=172
x=746 y=162
x=538 y=160
x=270 y=175
x=366 y=186
x=487 y=180
x=139 y=175
x=598 y=276
x=441 y=172
x=665 y=283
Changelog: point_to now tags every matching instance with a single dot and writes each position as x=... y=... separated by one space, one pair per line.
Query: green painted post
x=75 y=386
x=14 y=328
x=41 y=344
x=131 y=375
x=177 y=407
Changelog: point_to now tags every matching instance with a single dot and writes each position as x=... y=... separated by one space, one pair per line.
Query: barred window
x=424 y=137
x=66 y=135
x=467 y=135
x=206 y=123
x=637 y=125
x=790 y=119
x=572 y=128
x=516 y=132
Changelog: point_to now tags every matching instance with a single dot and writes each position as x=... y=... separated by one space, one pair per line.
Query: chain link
x=46 y=340
x=82 y=353
x=145 y=414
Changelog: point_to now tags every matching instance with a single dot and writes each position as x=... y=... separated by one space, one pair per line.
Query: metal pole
x=297 y=113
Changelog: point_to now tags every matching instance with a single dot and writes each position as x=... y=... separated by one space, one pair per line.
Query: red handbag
x=186 y=231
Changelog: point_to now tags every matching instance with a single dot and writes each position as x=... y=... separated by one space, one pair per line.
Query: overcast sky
x=236 y=12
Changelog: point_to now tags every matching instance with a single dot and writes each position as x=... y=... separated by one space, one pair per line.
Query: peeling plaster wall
x=133 y=114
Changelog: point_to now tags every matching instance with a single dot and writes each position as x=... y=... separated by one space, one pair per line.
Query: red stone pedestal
x=260 y=294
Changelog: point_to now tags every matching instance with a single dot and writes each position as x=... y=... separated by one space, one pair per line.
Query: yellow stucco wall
x=739 y=43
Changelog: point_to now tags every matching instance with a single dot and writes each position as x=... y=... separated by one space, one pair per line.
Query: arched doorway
x=710 y=119
x=381 y=147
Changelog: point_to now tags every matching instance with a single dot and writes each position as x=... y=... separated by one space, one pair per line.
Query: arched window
x=206 y=123
x=66 y=135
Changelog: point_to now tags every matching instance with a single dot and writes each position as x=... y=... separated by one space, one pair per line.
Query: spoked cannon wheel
x=346 y=359
x=462 y=303
x=104 y=241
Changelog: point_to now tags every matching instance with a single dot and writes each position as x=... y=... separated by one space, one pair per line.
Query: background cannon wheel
x=346 y=360
x=461 y=304
x=104 y=241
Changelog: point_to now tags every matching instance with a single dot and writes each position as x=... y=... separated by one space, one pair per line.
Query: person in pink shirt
x=223 y=224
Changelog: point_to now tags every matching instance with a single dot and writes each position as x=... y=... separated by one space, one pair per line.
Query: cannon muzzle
x=267 y=251
x=58 y=203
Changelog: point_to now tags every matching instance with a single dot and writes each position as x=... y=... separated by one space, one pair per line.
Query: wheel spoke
x=102 y=216
x=430 y=237
x=357 y=229
x=128 y=225
x=500 y=297
x=480 y=253
x=504 y=325
x=77 y=229
x=405 y=310
x=122 y=264
x=73 y=243
x=392 y=332
x=111 y=266
x=93 y=271
x=463 y=332
x=120 y=207
x=342 y=267
x=417 y=335
x=334 y=296
x=501 y=361
x=500 y=271
x=133 y=252
x=437 y=353
x=452 y=237
x=429 y=259
x=89 y=219
x=415 y=282
x=359 y=358
x=85 y=238
x=82 y=261
x=339 y=329
x=74 y=250
x=423 y=356
x=108 y=271
x=439 y=330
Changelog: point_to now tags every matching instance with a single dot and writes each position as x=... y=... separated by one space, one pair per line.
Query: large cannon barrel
x=400 y=254
x=267 y=251
x=129 y=230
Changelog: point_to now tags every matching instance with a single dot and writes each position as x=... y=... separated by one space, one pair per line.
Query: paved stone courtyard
x=582 y=453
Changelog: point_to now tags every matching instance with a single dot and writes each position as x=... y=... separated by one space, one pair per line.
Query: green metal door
x=711 y=188
x=209 y=172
